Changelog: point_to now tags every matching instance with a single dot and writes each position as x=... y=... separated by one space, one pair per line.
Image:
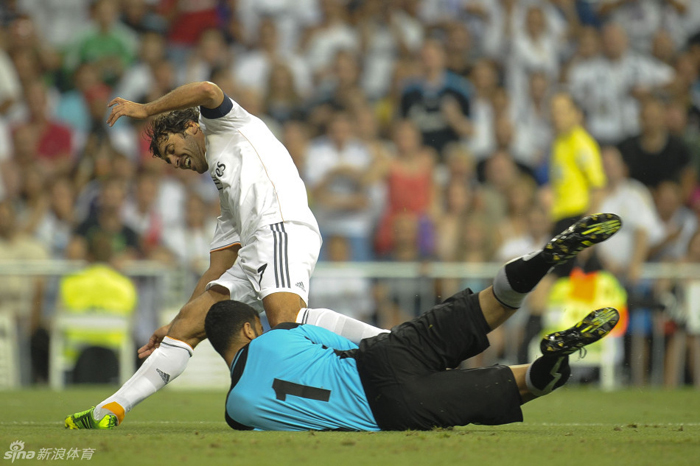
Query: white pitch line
x=524 y=424
x=601 y=424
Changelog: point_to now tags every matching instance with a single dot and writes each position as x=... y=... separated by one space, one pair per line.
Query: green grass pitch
x=573 y=426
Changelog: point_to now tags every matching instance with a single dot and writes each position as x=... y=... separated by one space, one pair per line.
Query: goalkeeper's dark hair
x=174 y=122
x=224 y=322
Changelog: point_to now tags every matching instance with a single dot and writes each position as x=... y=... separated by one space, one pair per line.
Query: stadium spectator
x=140 y=213
x=534 y=129
x=460 y=50
x=292 y=18
x=25 y=38
x=282 y=101
x=536 y=47
x=73 y=108
x=21 y=297
x=679 y=223
x=59 y=20
x=296 y=140
x=106 y=219
x=520 y=197
x=141 y=74
x=55 y=228
x=336 y=167
x=368 y=131
x=498 y=173
x=8 y=169
x=137 y=15
x=484 y=80
x=629 y=250
x=684 y=85
x=459 y=203
x=643 y=18
x=32 y=201
x=537 y=231
x=625 y=254
x=10 y=87
x=386 y=34
x=399 y=299
x=655 y=156
x=576 y=173
x=322 y=42
x=612 y=110
x=105 y=42
x=388 y=108
x=187 y=20
x=514 y=140
x=587 y=48
x=663 y=48
x=410 y=185
x=683 y=351
x=678 y=121
x=53 y=140
x=254 y=67
x=211 y=53
x=458 y=167
x=339 y=89
x=164 y=81
x=189 y=243
x=439 y=101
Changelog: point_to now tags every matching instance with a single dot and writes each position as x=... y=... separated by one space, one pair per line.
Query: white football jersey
x=257 y=181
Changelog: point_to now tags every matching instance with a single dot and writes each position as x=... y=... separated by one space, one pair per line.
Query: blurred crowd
x=424 y=130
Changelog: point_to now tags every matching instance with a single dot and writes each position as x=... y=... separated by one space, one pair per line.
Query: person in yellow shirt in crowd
x=576 y=169
x=97 y=290
x=577 y=181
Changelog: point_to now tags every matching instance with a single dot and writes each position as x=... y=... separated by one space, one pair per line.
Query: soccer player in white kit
x=266 y=242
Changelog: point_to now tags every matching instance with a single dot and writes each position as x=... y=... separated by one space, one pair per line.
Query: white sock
x=165 y=364
x=345 y=326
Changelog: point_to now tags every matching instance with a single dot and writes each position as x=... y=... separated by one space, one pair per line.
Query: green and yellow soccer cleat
x=592 y=328
x=86 y=420
x=586 y=232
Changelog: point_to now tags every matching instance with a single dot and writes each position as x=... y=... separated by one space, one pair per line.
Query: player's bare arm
x=219 y=262
x=199 y=94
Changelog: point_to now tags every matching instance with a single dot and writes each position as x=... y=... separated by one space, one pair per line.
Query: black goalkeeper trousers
x=406 y=378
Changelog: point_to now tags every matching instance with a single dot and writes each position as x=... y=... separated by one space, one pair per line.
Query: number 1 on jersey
x=283 y=388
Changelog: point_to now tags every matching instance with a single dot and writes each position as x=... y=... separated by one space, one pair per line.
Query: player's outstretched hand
x=122 y=107
x=146 y=350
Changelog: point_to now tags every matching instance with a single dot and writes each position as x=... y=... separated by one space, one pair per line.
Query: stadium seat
x=94 y=328
x=96 y=305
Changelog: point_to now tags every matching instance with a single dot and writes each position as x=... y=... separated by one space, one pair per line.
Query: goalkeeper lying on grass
x=302 y=377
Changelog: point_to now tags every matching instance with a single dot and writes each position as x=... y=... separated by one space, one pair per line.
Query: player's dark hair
x=174 y=122
x=224 y=322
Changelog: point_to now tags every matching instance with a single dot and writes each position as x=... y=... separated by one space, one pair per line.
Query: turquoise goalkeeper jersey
x=292 y=378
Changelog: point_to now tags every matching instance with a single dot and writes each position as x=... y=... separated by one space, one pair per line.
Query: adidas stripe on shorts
x=279 y=258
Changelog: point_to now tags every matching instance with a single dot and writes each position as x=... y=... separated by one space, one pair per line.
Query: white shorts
x=279 y=258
